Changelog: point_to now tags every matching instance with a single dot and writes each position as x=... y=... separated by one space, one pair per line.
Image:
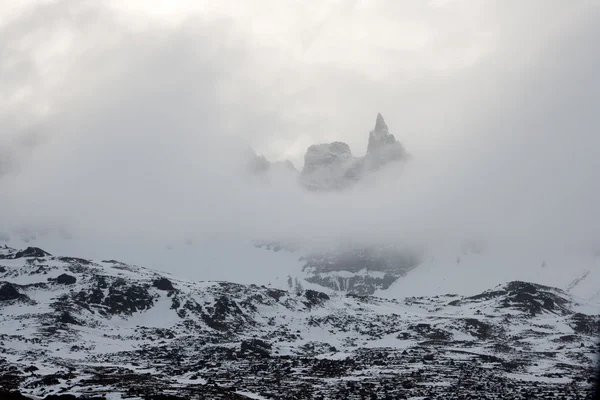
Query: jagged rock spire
x=381 y=128
x=383 y=146
x=380 y=136
x=332 y=166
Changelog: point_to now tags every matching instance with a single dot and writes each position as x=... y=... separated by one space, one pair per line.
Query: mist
x=132 y=129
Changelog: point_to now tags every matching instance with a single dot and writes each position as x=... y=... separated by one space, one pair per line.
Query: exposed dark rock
x=314 y=298
x=528 y=297
x=585 y=324
x=8 y=291
x=66 y=318
x=255 y=347
x=163 y=284
x=479 y=328
x=122 y=298
x=75 y=260
x=65 y=279
x=12 y=395
x=276 y=294
x=32 y=252
x=225 y=315
x=428 y=332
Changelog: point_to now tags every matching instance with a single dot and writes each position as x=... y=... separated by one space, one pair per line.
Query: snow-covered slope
x=470 y=272
x=386 y=271
x=101 y=328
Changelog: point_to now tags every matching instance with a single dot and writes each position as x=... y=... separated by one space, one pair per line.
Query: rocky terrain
x=108 y=330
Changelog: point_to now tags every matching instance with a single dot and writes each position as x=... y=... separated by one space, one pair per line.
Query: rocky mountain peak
x=383 y=147
x=380 y=136
x=332 y=166
x=381 y=128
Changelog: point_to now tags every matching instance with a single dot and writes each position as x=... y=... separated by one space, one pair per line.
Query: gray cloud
x=138 y=131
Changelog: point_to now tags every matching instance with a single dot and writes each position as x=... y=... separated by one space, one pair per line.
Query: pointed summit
x=380 y=136
x=381 y=129
x=383 y=146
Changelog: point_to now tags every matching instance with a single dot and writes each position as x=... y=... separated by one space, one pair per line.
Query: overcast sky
x=124 y=119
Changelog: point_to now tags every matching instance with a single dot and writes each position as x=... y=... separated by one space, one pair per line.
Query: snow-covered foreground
x=105 y=328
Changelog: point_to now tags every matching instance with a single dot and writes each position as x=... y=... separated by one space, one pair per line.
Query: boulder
x=65 y=279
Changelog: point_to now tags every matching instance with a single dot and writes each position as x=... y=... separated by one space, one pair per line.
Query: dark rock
x=527 y=297
x=12 y=395
x=314 y=298
x=256 y=347
x=66 y=318
x=8 y=291
x=478 y=328
x=32 y=252
x=408 y=384
x=429 y=332
x=225 y=315
x=163 y=284
x=65 y=279
x=524 y=287
x=275 y=294
x=122 y=298
x=568 y=338
x=75 y=260
x=585 y=324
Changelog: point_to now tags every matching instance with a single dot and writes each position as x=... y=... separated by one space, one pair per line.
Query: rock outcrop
x=332 y=166
x=383 y=148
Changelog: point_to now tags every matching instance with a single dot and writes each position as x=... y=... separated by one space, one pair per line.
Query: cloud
x=136 y=127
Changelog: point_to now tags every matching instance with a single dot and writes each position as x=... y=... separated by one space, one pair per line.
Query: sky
x=123 y=120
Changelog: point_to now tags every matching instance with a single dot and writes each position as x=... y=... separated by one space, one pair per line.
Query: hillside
x=105 y=328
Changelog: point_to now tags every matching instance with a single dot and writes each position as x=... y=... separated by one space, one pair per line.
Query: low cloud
x=139 y=132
